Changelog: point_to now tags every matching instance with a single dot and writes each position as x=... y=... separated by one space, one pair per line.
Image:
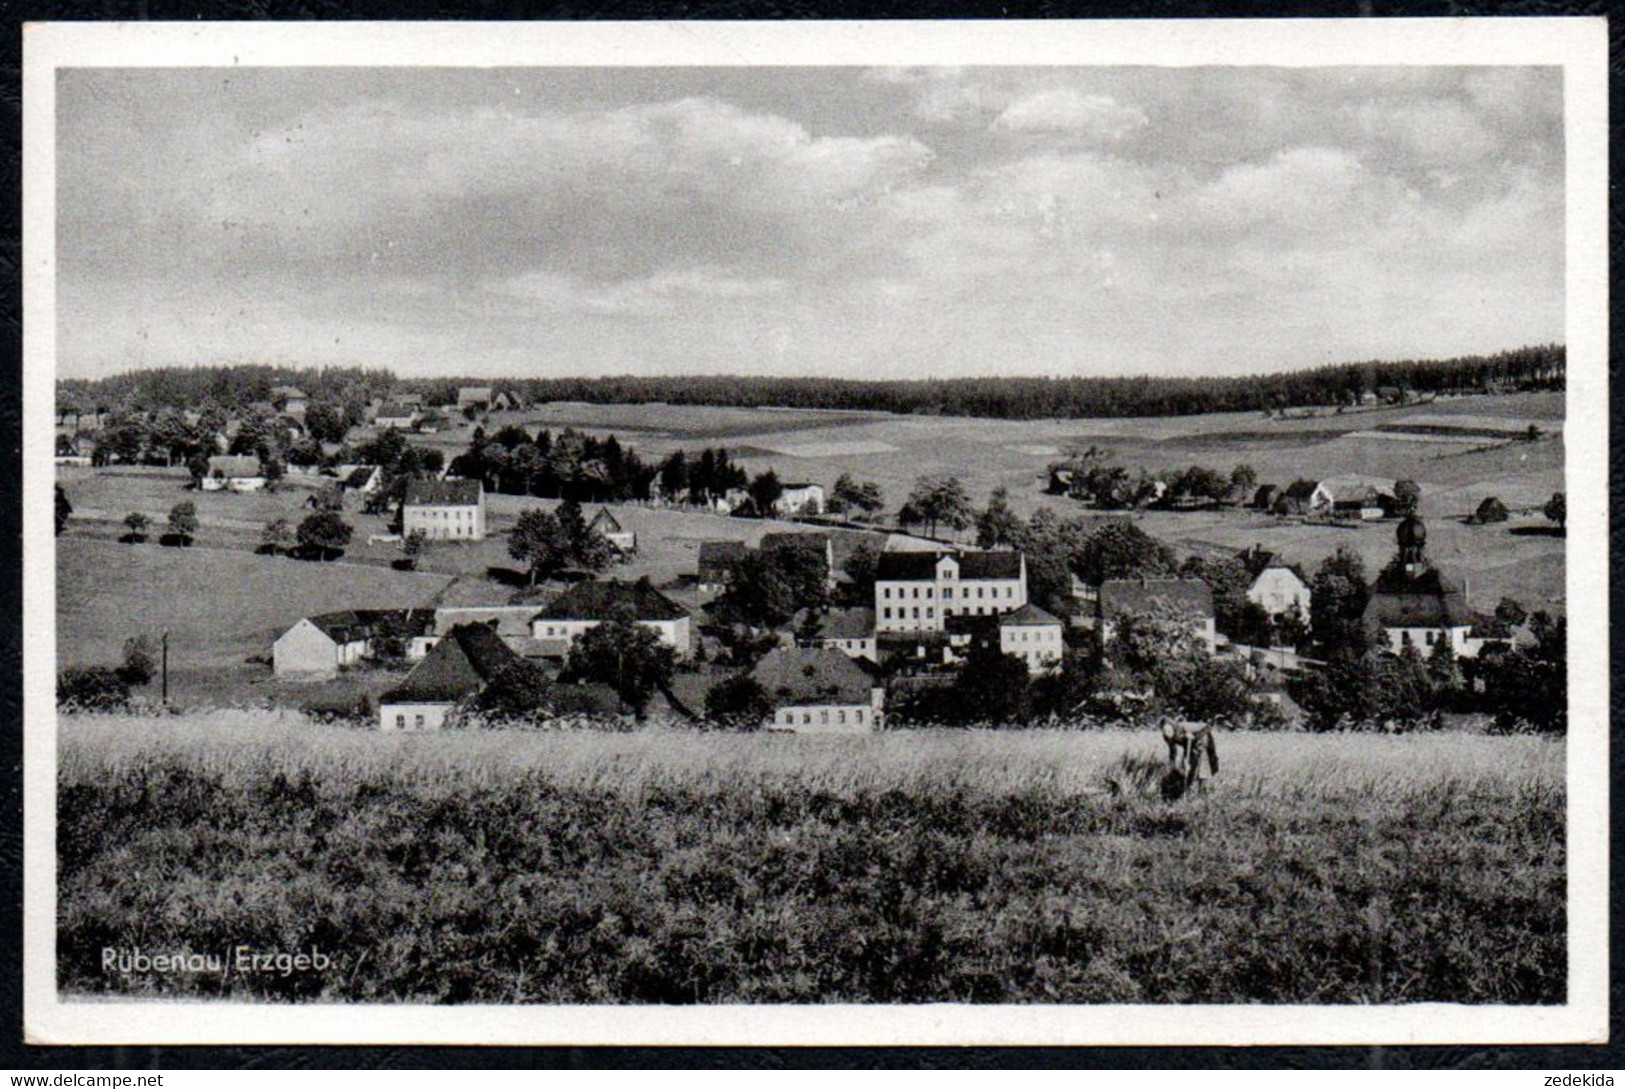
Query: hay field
x=670 y=867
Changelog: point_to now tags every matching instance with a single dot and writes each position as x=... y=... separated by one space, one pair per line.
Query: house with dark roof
x=609 y=527
x=363 y=479
x=587 y=604
x=918 y=591
x=317 y=647
x=716 y=563
x=290 y=401
x=477 y=396
x=1266 y=495
x=1033 y=635
x=233 y=472
x=850 y=631
x=444 y=510
x=461 y=664
x=1303 y=497
x=397 y=415
x=800 y=497
x=820 y=690
x=1190 y=599
x=1277 y=587
x=1417 y=605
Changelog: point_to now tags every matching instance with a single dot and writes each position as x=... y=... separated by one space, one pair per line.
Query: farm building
x=919 y=590
x=588 y=604
x=1303 y=497
x=1188 y=598
x=716 y=562
x=233 y=472
x=458 y=666
x=507 y=401
x=1417 y=605
x=1489 y=511
x=800 y=498
x=444 y=510
x=817 y=544
x=363 y=479
x=1277 y=587
x=850 y=631
x=475 y=396
x=318 y=647
x=398 y=415
x=290 y=401
x=609 y=527
x=511 y=623
x=1032 y=635
x=820 y=690
x=1266 y=495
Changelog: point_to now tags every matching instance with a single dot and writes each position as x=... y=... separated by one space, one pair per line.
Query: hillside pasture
x=672 y=867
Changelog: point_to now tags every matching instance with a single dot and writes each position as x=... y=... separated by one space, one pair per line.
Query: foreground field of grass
x=668 y=867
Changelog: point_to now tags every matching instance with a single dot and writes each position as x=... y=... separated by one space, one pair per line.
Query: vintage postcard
x=847 y=533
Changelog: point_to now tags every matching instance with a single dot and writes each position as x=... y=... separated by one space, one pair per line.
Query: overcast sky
x=912 y=223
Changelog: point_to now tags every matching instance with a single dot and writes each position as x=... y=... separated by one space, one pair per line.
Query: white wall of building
x=1278 y=590
x=412 y=716
x=674 y=633
x=1039 y=645
x=1423 y=639
x=439 y=523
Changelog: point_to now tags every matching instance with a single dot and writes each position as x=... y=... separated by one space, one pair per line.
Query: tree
x=273 y=469
x=1407 y=497
x=326 y=423
x=1528 y=689
x=998 y=525
x=63 y=510
x=325 y=533
x=765 y=490
x=848 y=494
x=91 y=688
x=674 y=477
x=1557 y=510
x=183 y=521
x=540 y=542
x=940 y=500
x=1340 y=593
x=1243 y=476
x=277 y=537
x=1511 y=612
x=860 y=566
x=139 y=665
x=412 y=548
x=992 y=687
x=1489 y=511
x=1234 y=613
x=767 y=587
x=516 y=692
x=584 y=547
x=738 y=703
x=1121 y=550
x=625 y=655
x=197 y=467
x=137 y=524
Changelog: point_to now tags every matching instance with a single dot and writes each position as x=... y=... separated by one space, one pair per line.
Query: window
x=1431 y=636
x=886 y=592
x=400 y=722
x=947 y=593
x=842 y=718
x=418 y=722
x=823 y=718
x=916 y=612
x=930 y=612
x=806 y=718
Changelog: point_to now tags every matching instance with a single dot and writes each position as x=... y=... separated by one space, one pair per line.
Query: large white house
x=586 y=605
x=917 y=591
x=820 y=690
x=444 y=510
x=1034 y=636
x=1277 y=587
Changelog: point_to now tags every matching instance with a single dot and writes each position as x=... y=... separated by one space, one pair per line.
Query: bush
x=92 y=688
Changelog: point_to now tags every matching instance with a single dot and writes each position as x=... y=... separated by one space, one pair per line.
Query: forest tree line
x=1007 y=397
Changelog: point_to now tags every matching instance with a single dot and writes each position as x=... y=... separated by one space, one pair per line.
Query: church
x=1416 y=604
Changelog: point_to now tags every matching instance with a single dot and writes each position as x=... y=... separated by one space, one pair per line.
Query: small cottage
x=460 y=665
x=820 y=690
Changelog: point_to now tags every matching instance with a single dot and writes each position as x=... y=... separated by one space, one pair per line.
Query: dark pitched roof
x=604 y=521
x=922 y=566
x=352 y=625
x=1266 y=493
x=853 y=623
x=395 y=411
x=1301 y=489
x=1028 y=616
x=359 y=476
x=460 y=663
x=717 y=556
x=1428 y=599
x=604 y=600
x=813 y=675
x=1143 y=595
x=235 y=465
x=444 y=493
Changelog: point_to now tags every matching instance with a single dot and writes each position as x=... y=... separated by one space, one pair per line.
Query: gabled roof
x=1301 y=489
x=395 y=411
x=717 y=556
x=1119 y=596
x=1428 y=599
x=604 y=601
x=1266 y=493
x=922 y=566
x=795 y=675
x=235 y=465
x=460 y=663
x=809 y=542
x=1029 y=616
x=360 y=475
x=286 y=393
x=853 y=623
x=354 y=625
x=604 y=522
x=799 y=485
x=473 y=393
x=444 y=493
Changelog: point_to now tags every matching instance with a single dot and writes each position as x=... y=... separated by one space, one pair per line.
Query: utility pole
x=166 y=668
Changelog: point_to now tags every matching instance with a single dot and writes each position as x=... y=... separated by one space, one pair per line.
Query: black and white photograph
x=1037 y=540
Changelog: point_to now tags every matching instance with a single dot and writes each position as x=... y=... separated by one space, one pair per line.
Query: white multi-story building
x=586 y=605
x=918 y=591
x=1032 y=635
x=444 y=510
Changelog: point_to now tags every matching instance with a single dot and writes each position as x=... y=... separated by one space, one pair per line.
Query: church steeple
x=1413 y=538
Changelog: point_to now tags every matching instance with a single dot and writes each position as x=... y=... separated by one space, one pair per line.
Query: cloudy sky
x=929 y=222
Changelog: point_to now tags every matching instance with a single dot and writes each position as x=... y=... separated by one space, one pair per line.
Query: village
x=839 y=616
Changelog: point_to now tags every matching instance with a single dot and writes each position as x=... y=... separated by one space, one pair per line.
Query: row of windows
x=902 y=612
x=1432 y=637
x=454 y=514
x=913 y=592
x=400 y=722
x=1039 y=635
x=789 y=718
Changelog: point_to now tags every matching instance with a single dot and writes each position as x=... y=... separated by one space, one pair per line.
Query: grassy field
x=667 y=867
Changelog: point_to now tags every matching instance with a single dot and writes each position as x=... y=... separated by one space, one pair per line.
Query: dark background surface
x=12 y=1052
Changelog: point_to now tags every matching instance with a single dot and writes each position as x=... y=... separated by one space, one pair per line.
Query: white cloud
x=1067 y=110
x=663 y=293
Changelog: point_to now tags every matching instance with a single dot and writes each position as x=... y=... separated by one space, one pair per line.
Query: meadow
x=675 y=867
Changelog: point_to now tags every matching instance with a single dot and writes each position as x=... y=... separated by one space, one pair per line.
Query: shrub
x=92 y=688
